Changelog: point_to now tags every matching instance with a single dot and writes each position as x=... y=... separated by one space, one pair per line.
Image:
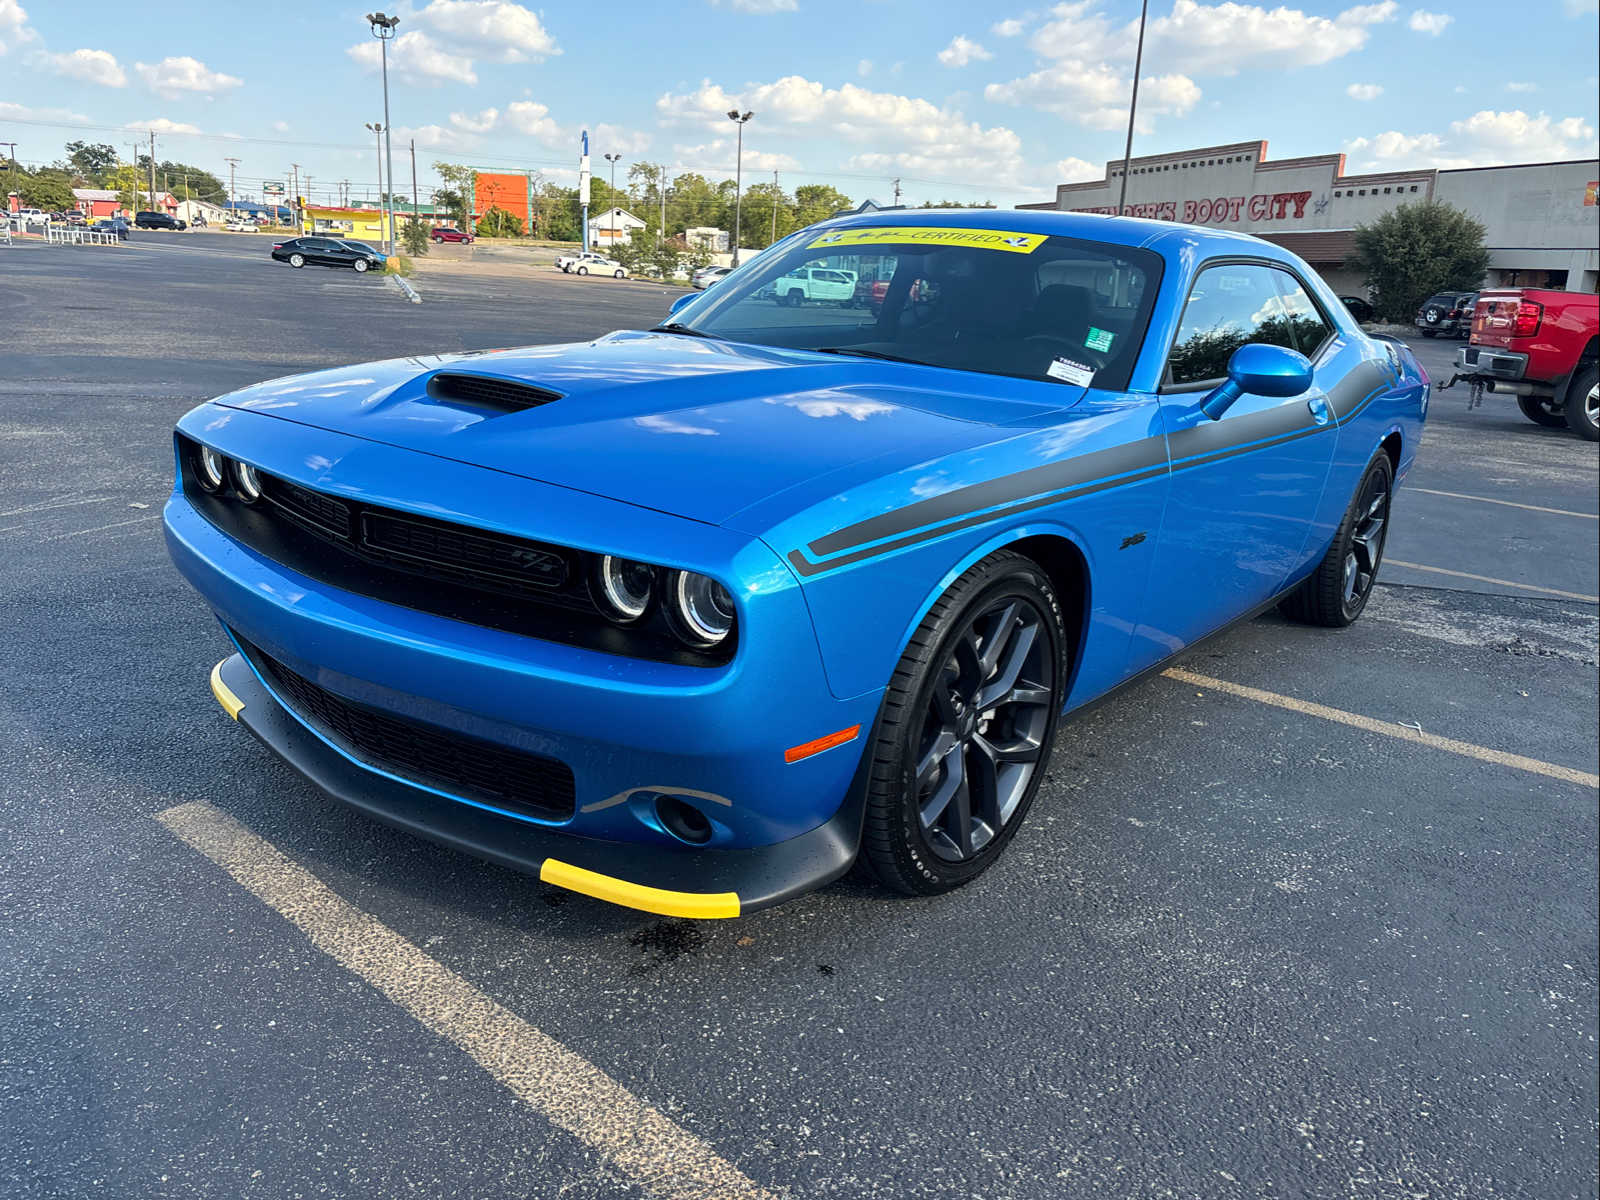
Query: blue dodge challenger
x=692 y=619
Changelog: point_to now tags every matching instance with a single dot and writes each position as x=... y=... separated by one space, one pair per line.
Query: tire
x=297 y=260
x=616 y=274
x=796 y=298
x=1583 y=403
x=437 y=241
x=361 y=264
x=1542 y=410
x=1336 y=593
x=583 y=270
x=1004 y=607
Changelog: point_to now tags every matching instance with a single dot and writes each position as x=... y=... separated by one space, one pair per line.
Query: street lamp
x=383 y=28
x=1133 y=107
x=613 y=159
x=380 y=130
x=738 y=119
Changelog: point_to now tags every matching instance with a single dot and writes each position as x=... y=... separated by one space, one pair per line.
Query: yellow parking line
x=1560 y=512
x=573 y=1094
x=1511 y=583
x=1404 y=733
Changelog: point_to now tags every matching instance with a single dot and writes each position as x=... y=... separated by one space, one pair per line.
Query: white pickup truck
x=815 y=283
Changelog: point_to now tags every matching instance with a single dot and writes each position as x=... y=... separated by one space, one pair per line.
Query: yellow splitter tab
x=929 y=235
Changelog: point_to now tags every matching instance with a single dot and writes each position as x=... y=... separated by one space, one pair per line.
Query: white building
x=1541 y=220
x=190 y=210
x=613 y=227
x=707 y=237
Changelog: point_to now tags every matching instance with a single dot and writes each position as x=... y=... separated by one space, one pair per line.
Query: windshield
x=1027 y=305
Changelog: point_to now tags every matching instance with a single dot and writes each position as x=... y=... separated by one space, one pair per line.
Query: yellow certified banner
x=927 y=235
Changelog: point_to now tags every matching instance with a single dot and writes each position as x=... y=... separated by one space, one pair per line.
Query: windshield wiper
x=679 y=327
x=857 y=352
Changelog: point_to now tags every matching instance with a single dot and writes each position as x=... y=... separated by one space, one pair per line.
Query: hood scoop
x=481 y=392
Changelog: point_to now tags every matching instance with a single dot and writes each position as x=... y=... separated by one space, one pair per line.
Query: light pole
x=383 y=29
x=738 y=119
x=613 y=159
x=1133 y=107
x=378 y=132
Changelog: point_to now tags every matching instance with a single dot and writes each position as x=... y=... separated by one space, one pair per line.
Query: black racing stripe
x=1052 y=477
x=1211 y=436
x=1356 y=389
x=806 y=567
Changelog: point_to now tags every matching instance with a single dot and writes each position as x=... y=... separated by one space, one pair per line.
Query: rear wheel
x=583 y=270
x=1336 y=593
x=966 y=730
x=297 y=260
x=796 y=298
x=616 y=274
x=1543 y=410
x=1583 y=403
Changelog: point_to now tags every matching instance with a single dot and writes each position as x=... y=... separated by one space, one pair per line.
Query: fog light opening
x=683 y=820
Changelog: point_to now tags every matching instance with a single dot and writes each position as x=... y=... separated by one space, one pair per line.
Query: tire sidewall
x=297 y=260
x=1577 y=397
x=1380 y=464
x=1011 y=576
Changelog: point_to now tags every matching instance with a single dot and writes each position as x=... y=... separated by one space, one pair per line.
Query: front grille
x=322 y=513
x=475 y=556
x=486 y=391
x=514 y=780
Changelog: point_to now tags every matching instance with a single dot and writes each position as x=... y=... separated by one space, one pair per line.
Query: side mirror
x=681 y=301
x=1257 y=369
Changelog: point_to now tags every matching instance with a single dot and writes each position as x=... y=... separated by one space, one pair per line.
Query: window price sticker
x=1068 y=371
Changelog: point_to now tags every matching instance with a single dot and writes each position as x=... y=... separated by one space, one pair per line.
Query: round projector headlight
x=213 y=470
x=701 y=609
x=246 y=482
x=624 y=587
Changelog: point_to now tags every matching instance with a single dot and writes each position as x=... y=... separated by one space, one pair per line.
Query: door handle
x=1320 y=412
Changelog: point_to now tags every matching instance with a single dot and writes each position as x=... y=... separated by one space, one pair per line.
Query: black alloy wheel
x=1336 y=593
x=983 y=729
x=964 y=735
x=1367 y=538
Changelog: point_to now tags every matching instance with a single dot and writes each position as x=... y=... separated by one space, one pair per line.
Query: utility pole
x=414 y=215
x=152 y=170
x=232 y=163
x=776 y=192
x=1133 y=107
x=738 y=119
x=299 y=222
x=897 y=193
x=378 y=131
x=383 y=29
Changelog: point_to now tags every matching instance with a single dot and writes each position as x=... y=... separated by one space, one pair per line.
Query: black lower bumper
x=680 y=882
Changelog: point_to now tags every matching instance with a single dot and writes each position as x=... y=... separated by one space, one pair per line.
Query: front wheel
x=1583 y=403
x=616 y=274
x=583 y=270
x=1543 y=410
x=1337 y=592
x=297 y=260
x=361 y=264
x=966 y=728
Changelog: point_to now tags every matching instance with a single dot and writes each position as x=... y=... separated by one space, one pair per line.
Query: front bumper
x=1495 y=364
x=672 y=881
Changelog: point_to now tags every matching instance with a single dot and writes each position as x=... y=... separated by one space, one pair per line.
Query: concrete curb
x=405 y=288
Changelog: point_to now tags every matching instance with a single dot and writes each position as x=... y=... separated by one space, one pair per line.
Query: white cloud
x=90 y=66
x=760 y=6
x=481 y=122
x=618 y=140
x=416 y=58
x=1216 y=39
x=438 y=137
x=162 y=125
x=1575 y=8
x=14 y=27
x=533 y=119
x=281 y=126
x=1432 y=24
x=492 y=29
x=1486 y=138
x=864 y=67
x=58 y=116
x=1522 y=87
x=718 y=156
x=1075 y=170
x=961 y=51
x=1009 y=28
x=926 y=137
x=1363 y=91
x=174 y=76
x=1096 y=95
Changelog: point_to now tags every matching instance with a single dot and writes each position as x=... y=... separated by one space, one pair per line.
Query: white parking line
x=573 y=1094
x=1511 y=583
x=1560 y=512
x=1404 y=733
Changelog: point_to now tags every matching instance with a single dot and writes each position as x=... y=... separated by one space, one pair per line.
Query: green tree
x=202 y=184
x=456 y=196
x=90 y=161
x=414 y=236
x=817 y=202
x=1415 y=250
x=126 y=181
x=762 y=203
x=47 y=188
x=497 y=222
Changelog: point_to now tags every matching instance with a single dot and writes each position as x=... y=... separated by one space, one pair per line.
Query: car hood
x=695 y=427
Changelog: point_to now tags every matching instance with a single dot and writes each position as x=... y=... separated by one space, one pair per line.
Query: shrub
x=1415 y=250
x=414 y=236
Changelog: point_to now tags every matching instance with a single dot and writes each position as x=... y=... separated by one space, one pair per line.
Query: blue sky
x=997 y=108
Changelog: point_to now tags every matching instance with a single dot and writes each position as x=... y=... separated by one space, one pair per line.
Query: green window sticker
x=1099 y=339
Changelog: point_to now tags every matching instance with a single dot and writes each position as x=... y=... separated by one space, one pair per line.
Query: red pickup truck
x=1542 y=347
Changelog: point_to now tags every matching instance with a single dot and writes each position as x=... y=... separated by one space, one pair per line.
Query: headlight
x=700 y=609
x=246 y=482
x=624 y=587
x=213 y=469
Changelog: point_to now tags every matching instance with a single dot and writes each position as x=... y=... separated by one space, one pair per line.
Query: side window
x=1229 y=305
x=1310 y=327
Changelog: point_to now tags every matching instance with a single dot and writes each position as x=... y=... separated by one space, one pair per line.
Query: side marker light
x=806 y=749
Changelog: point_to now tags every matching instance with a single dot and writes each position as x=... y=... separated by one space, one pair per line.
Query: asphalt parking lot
x=1257 y=939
